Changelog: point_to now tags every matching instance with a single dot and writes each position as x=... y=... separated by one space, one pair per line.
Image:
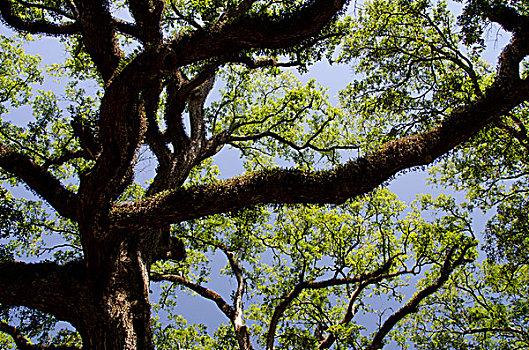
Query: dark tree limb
x=89 y=143
x=23 y=344
x=249 y=32
x=35 y=27
x=147 y=15
x=504 y=15
x=39 y=180
x=121 y=129
x=97 y=27
x=127 y=28
x=46 y=287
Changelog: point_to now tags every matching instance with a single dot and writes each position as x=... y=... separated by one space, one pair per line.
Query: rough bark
x=111 y=311
x=122 y=318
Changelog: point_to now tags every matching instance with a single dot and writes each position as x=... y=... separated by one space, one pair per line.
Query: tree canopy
x=112 y=203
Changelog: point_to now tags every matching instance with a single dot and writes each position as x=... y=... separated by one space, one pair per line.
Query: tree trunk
x=243 y=336
x=118 y=316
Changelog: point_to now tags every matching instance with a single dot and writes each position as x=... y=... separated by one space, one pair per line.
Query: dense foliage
x=112 y=204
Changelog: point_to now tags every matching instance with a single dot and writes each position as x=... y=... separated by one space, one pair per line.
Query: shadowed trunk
x=122 y=317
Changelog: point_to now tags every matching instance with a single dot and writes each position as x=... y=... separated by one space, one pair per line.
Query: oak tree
x=311 y=244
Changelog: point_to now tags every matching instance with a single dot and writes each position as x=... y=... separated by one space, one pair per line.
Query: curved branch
x=23 y=344
x=253 y=32
x=36 y=27
x=203 y=291
x=40 y=181
x=121 y=129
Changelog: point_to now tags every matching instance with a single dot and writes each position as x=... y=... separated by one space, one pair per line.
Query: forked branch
x=412 y=305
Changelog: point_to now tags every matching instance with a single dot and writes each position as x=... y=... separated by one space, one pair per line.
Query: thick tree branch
x=506 y=16
x=121 y=128
x=23 y=344
x=127 y=28
x=147 y=15
x=39 y=180
x=98 y=29
x=331 y=186
x=249 y=32
x=46 y=287
x=89 y=143
x=36 y=27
